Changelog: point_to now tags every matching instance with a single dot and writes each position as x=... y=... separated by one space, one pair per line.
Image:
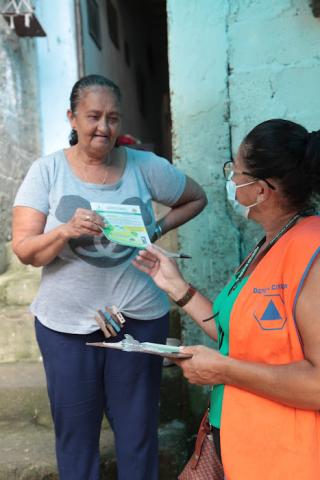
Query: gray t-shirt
x=91 y=272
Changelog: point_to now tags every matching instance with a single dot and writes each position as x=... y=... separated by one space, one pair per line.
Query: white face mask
x=231 y=188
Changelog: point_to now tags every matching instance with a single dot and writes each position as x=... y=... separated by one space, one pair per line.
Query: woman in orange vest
x=265 y=378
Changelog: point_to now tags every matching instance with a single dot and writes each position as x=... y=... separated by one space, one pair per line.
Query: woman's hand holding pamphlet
x=124 y=224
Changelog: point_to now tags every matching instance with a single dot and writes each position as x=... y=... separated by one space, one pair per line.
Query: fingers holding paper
x=84 y=222
x=205 y=367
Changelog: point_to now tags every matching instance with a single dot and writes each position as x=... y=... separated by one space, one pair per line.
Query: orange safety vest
x=262 y=439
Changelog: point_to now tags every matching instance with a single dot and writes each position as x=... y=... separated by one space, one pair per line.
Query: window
x=112 y=17
x=94 y=22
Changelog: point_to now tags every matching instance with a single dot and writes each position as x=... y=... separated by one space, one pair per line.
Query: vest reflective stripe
x=262 y=439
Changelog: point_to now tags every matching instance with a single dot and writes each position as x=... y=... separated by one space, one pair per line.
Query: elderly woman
x=54 y=227
x=265 y=398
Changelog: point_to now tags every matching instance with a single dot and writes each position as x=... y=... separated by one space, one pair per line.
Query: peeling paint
x=19 y=140
x=232 y=65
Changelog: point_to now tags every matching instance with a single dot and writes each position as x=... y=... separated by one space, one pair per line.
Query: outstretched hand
x=163 y=270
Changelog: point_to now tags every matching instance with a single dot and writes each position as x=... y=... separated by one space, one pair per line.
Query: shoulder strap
x=204 y=430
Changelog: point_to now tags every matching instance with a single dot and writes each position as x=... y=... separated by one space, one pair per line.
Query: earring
x=73 y=137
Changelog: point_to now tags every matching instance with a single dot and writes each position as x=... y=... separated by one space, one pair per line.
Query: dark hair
x=285 y=151
x=88 y=82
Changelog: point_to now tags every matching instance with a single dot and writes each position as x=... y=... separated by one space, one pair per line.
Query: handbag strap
x=204 y=430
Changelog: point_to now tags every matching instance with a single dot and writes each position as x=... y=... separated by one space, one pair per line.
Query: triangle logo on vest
x=270 y=314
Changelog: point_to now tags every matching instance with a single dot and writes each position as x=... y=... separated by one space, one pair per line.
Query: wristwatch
x=158 y=231
x=187 y=296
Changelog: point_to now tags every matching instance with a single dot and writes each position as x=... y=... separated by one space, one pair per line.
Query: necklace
x=103 y=181
x=244 y=267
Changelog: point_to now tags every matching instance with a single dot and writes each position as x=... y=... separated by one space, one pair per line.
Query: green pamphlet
x=124 y=224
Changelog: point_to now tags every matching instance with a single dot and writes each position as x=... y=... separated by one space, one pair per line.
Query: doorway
x=150 y=65
x=126 y=40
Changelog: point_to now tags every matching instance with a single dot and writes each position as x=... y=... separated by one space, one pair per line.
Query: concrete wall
x=198 y=59
x=274 y=65
x=19 y=122
x=233 y=64
x=36 y=76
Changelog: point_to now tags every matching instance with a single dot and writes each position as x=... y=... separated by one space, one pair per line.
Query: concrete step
x=17 y=339
x=27 y=452
x=26 y=436
x=19 y=283
x=23 y=394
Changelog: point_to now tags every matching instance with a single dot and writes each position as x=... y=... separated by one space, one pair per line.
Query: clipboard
x=129 y=344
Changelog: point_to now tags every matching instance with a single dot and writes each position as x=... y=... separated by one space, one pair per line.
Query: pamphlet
x=124 y=224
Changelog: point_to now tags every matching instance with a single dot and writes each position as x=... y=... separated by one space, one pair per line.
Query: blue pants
x=86 y=382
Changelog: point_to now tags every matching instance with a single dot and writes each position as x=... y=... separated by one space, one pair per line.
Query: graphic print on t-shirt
x=98 y=251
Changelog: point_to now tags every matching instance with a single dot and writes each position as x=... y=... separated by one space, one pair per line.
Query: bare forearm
x=199 y=308
x=167 y=276
x=39 y=250
x=182 y=214
x=295 y=384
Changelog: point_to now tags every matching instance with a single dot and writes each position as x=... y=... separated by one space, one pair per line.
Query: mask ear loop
x=245 y=184
x=247 y=207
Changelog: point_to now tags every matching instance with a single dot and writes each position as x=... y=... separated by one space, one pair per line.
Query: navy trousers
x=84 y=383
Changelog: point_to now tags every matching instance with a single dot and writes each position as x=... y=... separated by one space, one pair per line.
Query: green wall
x=233 y=64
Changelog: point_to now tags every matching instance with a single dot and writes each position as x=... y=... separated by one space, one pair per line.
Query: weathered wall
x=57 y=70
x=233 y=64
x=200 y=111
x=19 y=128
x=274 y=64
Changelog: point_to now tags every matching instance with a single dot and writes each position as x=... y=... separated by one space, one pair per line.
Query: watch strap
x=187 y=296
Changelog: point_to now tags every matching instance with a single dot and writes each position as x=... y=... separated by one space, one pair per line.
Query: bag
x=204 y=463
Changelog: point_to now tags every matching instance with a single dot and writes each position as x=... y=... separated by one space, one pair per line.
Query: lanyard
x=240 y=273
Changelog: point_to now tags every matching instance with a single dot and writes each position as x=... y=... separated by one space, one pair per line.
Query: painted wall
x=36 y=75
x=274 y=64
x=19 y=122
x=200 y=113
x=57 y=70
x=233 y=64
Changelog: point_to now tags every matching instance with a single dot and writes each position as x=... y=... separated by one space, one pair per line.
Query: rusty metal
x=19 y=14
x=34 y=30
